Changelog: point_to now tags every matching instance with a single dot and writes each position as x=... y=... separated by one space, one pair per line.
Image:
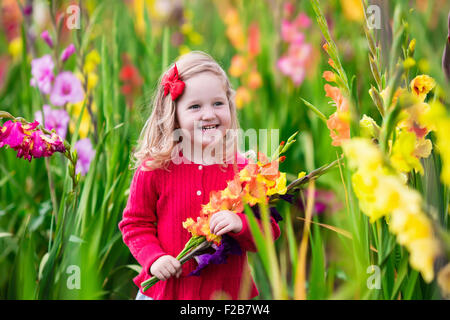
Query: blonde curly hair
x=155 y=145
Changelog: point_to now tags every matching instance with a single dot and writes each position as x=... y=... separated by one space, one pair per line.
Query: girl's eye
x=218 y=103
x=194 y=106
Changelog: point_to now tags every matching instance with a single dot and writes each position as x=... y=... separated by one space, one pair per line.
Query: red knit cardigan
x=158 y=203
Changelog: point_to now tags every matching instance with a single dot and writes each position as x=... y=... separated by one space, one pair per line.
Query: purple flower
x=85 y=155
x=67 y=52
x=446 y=54
x=46 y=37
x=325 y=200
x=273 y=212
x=57 y=119
x=42 y=73
x=67 y=88
x=227 y=246
x=28 y=10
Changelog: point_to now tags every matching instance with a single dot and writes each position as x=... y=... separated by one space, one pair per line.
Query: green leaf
x=315 y=110
x=259 y=238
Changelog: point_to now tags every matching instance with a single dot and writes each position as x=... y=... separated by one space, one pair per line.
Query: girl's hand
x=165 y=267
x=225 y=221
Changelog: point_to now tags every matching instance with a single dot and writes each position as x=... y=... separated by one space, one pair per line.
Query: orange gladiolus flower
x=238 y=66
x=338 y=125
x=329 y=76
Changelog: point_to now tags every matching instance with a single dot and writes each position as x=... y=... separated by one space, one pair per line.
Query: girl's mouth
x=210 y=127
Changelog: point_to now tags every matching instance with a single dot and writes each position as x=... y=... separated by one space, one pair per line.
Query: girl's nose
x=208 y=112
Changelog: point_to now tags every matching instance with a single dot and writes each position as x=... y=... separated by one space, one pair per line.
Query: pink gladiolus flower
x=67 y=88
x=294 y=64
x=29 y=142
x=85 y=154
x=67 y=52
x=57 y=119
x=302 y=20
x=288 y=9
x=290 y=32
x=42 y=73
x=46 y=37
x=11 y=134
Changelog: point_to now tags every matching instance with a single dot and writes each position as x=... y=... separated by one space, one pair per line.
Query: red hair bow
x=172 y=84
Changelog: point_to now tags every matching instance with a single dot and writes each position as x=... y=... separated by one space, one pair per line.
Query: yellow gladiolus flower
x=188 y=223
x=383 y=193
x=409 y=63
x=423 y=148
x=353 y=10
x=403 y=157
x=242 y=97
x=421 y=85
x=369 y=128
x=422 y=254
x=85 y=124
x=183 y=49
x=280 y=185
x=362 y=153
x=15 y=48
x=91 y=61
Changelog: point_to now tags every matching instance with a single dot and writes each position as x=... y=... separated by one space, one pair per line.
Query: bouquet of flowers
x=257 y=183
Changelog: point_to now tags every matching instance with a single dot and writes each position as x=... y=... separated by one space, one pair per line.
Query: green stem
x=191 y=249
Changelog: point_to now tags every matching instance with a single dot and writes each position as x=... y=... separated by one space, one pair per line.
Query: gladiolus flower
x=254 y=80
x=238 y=66
x=329 y=76
x=54 y=119
x=438 y=120
x=85 y=154
x=296 y=61
x=91 y=62
x=331 y=63
x=132 y=80
x=28 y=141
x=381 y=193
x=421 y=85
x=409 y=63
x=288 y=9
x=242 y=97
x=338 y=125
x=253 y=39
x=403 y=158
x=368 y=127
x=67 y=88
x=290 y=32
x=75 y=112
x=42 y=73
x=46 y=37
x=353 y=10
x=67 y=52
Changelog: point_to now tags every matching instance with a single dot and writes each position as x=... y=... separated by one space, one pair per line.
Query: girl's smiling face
x=203 y=110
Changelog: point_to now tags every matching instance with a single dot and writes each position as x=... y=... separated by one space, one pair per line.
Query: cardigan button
x=200 y=167
x=199 y=192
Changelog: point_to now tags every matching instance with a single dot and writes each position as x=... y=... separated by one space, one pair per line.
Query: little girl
x=174 y=177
